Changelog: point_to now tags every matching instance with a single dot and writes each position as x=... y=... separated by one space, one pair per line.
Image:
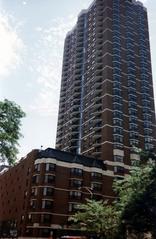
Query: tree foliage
x=137 y=200
x=97 y=217
x=10 y=122
x=133 y=210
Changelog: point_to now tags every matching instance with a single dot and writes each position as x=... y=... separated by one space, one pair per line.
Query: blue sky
x=32 y=35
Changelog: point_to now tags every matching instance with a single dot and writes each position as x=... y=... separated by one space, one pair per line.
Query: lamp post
x=89 y=189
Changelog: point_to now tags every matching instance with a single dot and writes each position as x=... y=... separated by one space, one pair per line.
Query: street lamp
x=89 y=189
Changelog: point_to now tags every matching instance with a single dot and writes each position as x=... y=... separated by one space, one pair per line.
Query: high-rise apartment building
x=106 y=101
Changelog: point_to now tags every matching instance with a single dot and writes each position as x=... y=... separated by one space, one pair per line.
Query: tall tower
x=106 y=101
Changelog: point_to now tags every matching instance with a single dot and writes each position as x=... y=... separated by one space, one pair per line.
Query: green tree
x=134 y=209
x=10 y=122
x=97 y=217
x=137 y=200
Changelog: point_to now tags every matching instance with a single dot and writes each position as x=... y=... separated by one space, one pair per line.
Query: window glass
x=76 y=183
x=49 y=179
x=45 y=218
x=47 y=191
x=37 y=167
x=75 y=194
x=96 y=175
x=96 y=186
x=73 y=207
x=47 y=204
x=50 y=167
x=76 y=171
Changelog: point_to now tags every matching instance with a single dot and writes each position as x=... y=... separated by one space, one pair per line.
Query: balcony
x=75 y=114
x=79 y=54
x=97 y=135
x=99 y=52
x=76 y=92
x=74 y=140
x=59 y=137
x=75 y=108
x=73 y=144
x=97 y=84
x=74 y=124
x=97 y=96
x=96 y=154
x=61 y=114
x=97 y=143
x=97 y=111
x=63 y=94
x=74 y=136
x=96 y=121
x=77 y=86
x=98 y=99
x=74 y=127
x=96 y=176
x=98 y=126
x=60 y=120
x=98 y=90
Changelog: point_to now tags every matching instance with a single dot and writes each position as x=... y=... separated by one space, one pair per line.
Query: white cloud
x=48 y=65
x=10 y=45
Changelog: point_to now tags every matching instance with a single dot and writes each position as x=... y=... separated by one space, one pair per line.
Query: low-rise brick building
x=40 y=193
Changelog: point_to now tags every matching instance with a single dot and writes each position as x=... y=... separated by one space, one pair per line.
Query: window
x=118 y=158
x=146 y=110
x=146 y=103
x=132 y=104
x=117 y=92
x=29 y=218
x=117 y=114
x=134 y=142
x=133 y=112
x=118 y=138
x=73 y=207
x=118 y=145
x=47 y=204
x=75 y=194
x=48 y=191
x=148 y=139
x=49 y=179
x=44 y=232
x=96 y=175
x=119 y=169
x=133 y=126
x=132 y=97
x=76 y=171
x=147 y=125
x=33 y=204
x=117 y=106
x=148 y=146
x=33 y=191
x=133 y=135
x=148 y=132
x=147 y=117
x=35 y=179
x=76 y=183
x=37 y=167
x=118 y=130
x=45 y=218
x=50 y=167
x=117 y=122
x=96 y=186
x=29 y=232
